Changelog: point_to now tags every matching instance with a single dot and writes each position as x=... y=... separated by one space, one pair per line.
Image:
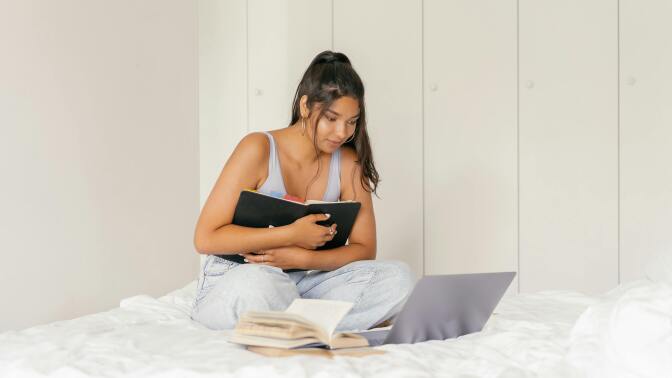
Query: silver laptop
x=445 y=306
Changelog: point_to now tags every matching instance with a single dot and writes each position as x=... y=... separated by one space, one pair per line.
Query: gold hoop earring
x=303 y=126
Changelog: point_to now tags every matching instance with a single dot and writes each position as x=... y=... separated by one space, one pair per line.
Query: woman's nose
x=342 y=130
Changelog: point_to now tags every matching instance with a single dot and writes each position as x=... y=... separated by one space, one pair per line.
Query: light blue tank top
x=275 y=186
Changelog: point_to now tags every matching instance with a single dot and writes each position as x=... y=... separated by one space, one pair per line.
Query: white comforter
x=628 y=333
x=529 y=335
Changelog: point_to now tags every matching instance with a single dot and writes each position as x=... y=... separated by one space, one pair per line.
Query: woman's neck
x=301 y=149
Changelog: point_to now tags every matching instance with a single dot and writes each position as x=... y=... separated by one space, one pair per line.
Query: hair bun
x=330 y=57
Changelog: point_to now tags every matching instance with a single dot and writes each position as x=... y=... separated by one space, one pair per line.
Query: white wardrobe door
x=388 y=58
x=568 y=145
x=470 y=136
x=222 y=85
x=646 y=133
x=284 y=36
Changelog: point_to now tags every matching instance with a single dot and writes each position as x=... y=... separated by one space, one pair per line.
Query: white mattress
x=148 y=337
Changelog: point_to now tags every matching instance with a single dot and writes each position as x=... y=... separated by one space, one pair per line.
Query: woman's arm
x=335 y=258
x=214 y=232
x=362 y=240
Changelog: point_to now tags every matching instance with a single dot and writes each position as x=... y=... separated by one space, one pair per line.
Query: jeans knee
x=395 y=277
x=247 y=287
x=262 y=284
x=214 y=317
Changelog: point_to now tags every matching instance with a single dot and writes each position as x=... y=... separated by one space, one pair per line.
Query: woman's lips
x=334 y=143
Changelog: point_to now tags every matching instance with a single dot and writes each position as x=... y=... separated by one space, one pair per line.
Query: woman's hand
x=306 y=234
x=284 y=257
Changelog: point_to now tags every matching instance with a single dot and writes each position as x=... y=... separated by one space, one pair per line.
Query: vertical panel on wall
x=222 y=85
x=646 y=133
x=388 y=58
x=568 y=145
x=470 y=136
x=284 y=36
x=222 y=90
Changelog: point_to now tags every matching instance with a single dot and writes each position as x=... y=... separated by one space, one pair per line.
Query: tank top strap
x=274 y=184
x=333 y=191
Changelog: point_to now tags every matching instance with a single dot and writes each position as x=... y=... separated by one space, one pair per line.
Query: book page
x=272 y=342
x=309 y=202
x=277 y=316
x=324 y=313
x=348 y=340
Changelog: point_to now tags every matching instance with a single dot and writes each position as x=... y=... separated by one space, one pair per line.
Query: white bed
x=529 y=335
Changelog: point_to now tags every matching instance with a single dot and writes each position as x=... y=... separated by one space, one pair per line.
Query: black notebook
x=259 y=210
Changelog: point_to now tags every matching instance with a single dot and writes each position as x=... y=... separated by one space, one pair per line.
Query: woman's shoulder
x=349 y=164
x=255 y=142
x=255 y=137
x=348 y=156
x=351 y=175
x=252 y=148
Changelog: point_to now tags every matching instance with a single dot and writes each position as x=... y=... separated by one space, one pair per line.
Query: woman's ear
x=303 y=105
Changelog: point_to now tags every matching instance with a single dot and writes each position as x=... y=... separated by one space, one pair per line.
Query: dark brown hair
x=329 y=77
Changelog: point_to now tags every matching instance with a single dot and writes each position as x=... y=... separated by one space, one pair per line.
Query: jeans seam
x=368 y=283
x=205 y=269
x=206 y=265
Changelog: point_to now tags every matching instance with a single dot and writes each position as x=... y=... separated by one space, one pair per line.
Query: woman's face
x=337 y=125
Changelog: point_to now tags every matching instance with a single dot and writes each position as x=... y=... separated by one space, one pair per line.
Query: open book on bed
x=305 y=323
x=255 y=209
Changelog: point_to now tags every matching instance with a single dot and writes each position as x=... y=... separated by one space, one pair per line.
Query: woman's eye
x=353 y=123
x=331 y=119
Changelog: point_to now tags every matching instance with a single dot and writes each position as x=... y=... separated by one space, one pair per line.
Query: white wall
x=568 y=160
x=388 y=57
x=645 y=133
x=470 y=137
x=510 y=135
x=98 y=154
x=222 y=41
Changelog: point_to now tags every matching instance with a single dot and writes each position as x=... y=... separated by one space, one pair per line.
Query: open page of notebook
x=325 y=313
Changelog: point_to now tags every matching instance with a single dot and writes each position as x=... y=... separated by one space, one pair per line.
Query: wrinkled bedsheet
x=527 y=336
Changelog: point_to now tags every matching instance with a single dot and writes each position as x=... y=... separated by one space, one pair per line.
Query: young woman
x=323 y=154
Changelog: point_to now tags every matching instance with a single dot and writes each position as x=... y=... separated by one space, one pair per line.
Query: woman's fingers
x=330 y=235
x=331 y=231
x=257 y=258
x=247 y=256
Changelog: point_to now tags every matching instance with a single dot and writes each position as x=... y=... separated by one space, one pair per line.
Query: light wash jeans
x=378 y=290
